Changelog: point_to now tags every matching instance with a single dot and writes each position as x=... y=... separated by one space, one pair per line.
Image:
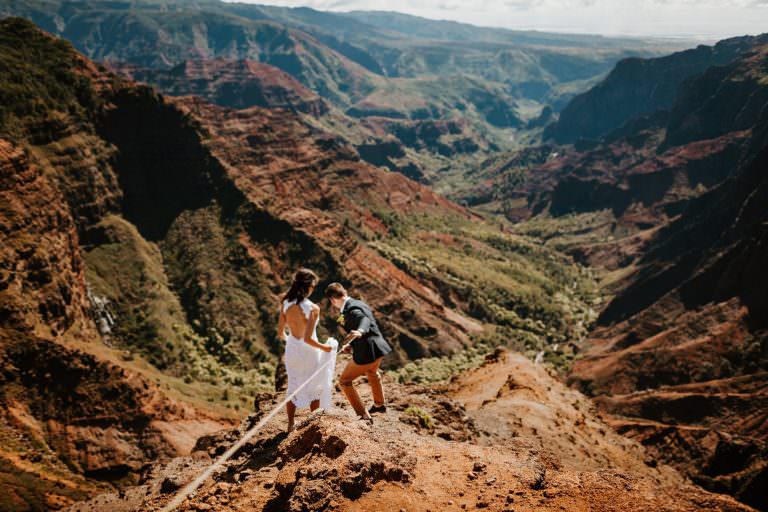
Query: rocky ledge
x=425 y=453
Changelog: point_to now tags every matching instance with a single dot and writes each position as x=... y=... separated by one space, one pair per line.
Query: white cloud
x=674 y=18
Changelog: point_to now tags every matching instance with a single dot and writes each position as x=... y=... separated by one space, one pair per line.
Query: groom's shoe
x=377 y=409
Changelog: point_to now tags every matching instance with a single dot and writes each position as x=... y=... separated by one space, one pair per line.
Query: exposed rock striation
x=231 y=83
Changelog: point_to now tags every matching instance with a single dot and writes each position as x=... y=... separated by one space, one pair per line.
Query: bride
x=304 y=354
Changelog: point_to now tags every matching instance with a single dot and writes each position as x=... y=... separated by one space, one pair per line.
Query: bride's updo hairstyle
x=303 y=281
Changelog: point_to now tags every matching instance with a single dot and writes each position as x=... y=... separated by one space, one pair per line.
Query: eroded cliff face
x=230 y=83
x=67 y=414
x=41 y=259
x=672 y=205
x=684 y=368
x=603 y=204
x=76 y=412
x=303 y=187
x=680 y=354
x=416 y=142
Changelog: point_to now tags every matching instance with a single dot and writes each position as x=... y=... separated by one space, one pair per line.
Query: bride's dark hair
x=303 y=281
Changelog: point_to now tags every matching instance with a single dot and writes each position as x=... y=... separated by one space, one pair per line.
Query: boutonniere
x=340 y=319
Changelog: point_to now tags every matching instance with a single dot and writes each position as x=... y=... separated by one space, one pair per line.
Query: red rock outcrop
x=511 y=397
x=42 y=285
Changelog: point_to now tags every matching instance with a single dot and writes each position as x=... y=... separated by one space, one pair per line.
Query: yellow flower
x=340 y=319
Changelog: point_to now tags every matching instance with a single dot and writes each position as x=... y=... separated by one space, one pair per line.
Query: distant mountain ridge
x=638 y=87
x=368 y=65
x=377 y=42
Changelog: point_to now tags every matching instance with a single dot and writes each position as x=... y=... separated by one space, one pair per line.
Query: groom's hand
x=353 y=335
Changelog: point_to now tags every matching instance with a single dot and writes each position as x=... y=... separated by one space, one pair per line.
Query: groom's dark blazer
x=371 y=345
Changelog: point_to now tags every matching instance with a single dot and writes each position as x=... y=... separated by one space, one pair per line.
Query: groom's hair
x=335 y=291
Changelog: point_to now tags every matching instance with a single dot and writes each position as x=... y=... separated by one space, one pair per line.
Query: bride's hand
x=327 y=348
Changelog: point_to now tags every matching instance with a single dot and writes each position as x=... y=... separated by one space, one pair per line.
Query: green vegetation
x=493 y=81
x=498 y=277
x=566 y=231
x=428 y=370
x=423 y=418
x=220 y=287
x=129 y=271
x=40 y=90
x=150 y=320
x=443 y=97
x=440 y=369
x=530 y=296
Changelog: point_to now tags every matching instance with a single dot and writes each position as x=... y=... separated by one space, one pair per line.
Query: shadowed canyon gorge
x=564 y=239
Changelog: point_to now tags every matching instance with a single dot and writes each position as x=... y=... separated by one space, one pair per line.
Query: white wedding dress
x=303 y=360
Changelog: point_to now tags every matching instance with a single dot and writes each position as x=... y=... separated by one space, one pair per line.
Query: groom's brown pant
x=353 y=371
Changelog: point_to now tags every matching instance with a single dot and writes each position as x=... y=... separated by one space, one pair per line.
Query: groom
x=368 y=349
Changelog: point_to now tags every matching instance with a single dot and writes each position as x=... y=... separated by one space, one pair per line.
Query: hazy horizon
x=688 y=19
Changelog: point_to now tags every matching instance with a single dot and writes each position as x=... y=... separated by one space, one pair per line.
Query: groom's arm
x=360 y=319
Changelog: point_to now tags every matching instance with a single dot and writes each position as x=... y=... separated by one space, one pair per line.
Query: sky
x=702 y=19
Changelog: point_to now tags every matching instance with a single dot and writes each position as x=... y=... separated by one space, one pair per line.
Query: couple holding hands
x=305 y=355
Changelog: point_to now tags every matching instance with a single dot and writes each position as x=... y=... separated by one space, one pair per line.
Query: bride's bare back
x=301 y=324
x=296 y=321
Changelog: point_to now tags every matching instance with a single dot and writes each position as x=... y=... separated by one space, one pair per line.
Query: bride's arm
x=281 y=324
x=309 y=330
